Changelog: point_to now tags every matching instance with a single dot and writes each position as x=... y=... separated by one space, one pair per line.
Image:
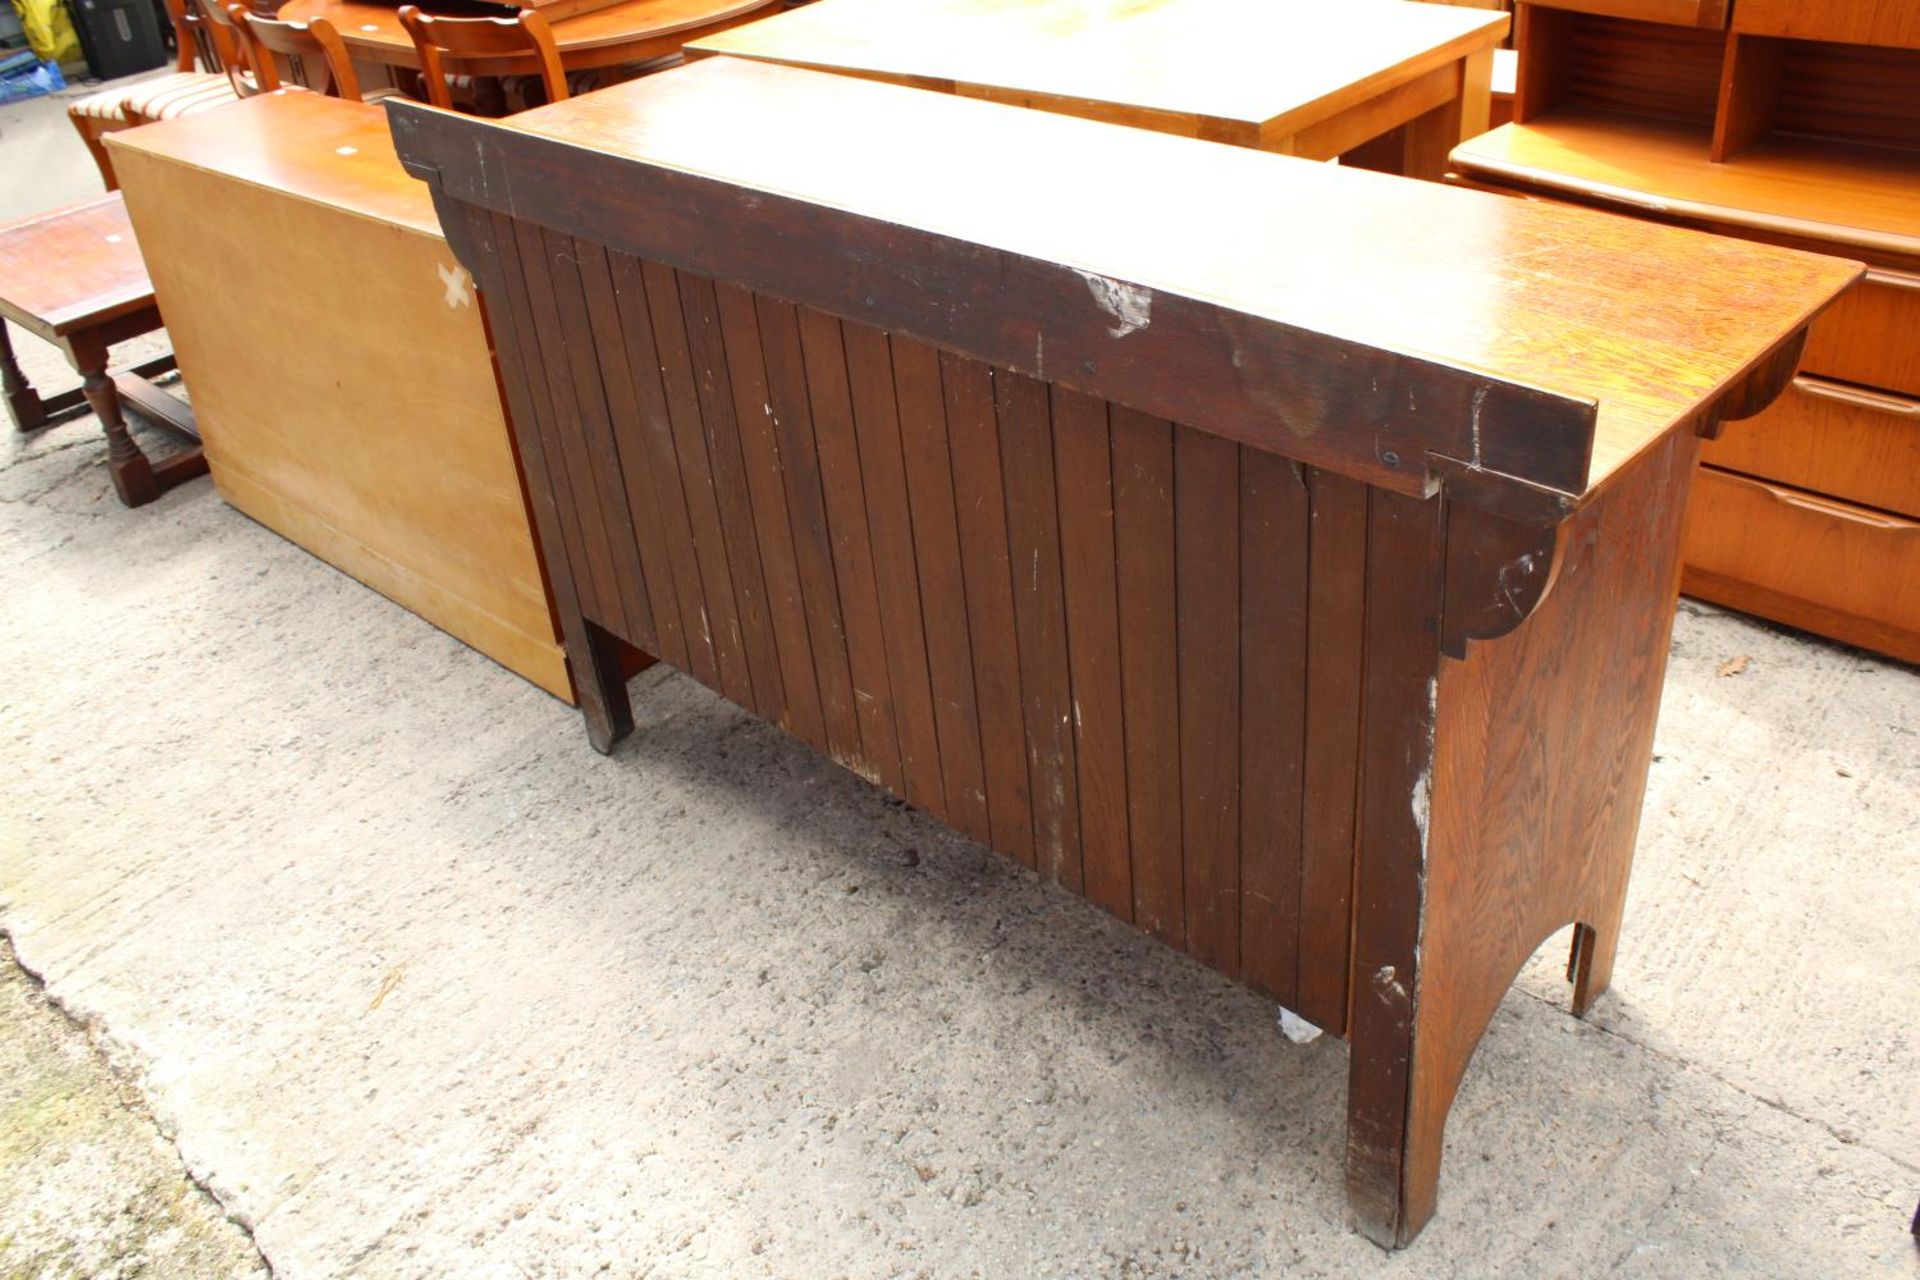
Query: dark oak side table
x=75 y=278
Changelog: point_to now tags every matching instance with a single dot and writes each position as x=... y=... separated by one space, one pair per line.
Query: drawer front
x=1681 y=13
x=1872 y=335
x=1851 y=21
x=1828 y=567
x=1832 y=439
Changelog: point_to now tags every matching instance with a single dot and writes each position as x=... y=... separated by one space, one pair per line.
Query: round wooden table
x=628 y=32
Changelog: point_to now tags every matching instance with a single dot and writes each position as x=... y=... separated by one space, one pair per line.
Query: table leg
x=24 y=406
x=1422 y=147
x=1431 y=138
x=133 y=477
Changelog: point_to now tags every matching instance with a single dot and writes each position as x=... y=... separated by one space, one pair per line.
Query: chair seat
x=213 y=91
x=153 y=101
x=111 y=104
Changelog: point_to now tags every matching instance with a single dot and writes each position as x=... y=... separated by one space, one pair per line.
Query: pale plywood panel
x=344 y=389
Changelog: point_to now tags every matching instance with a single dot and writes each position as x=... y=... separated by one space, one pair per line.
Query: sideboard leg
x=600 y=683
x=1534 y=736
x=1393 y=1129
x=1590 y=967
x=1393 y=1148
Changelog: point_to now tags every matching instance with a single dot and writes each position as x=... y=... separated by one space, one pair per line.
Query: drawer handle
x=1853 y=397
x=1834 y=511
x=1892 y=279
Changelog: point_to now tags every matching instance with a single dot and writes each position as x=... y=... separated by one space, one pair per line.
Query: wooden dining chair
x=237 y=53
x=446 y=43
x=314 y=52
x=185 y=91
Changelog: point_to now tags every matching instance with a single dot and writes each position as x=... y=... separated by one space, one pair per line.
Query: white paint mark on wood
x=1387 y=985
x=1422 y=799
x=1521 y=569
x=1130 y=305
x=1294 y=1027
x=458 y=285
x=1479 y=403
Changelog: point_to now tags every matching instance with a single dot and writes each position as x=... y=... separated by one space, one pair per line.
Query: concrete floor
x=416 y=985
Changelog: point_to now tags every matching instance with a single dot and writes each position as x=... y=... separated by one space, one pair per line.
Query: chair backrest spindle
x=236 y=52
x=303 y=45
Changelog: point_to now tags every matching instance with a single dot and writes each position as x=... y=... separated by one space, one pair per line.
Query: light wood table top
x=1262 y=73
x=633 y=31
x=307 y=145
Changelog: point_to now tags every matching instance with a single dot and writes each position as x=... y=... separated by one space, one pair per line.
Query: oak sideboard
x=1282 y=556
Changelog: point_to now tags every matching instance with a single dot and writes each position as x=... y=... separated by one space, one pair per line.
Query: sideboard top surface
x=1649 y=323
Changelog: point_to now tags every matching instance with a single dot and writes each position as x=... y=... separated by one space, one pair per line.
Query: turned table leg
x=133 y=477
x=24 y=406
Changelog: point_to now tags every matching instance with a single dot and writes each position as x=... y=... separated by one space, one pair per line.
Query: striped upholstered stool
x=99 y=114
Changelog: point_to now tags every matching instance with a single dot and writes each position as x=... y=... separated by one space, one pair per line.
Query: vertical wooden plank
x=1039 y=606
x=713 y=385
x=600 y=595
x=979 y=496
x=643 y=360
x=602 y=454
x=503 y=305
x=883 y=475
x=1149 y=668
x=722 y=617
x=943 y=592
x=833 y=432
x=1273 y=682
x=1336 y=617
x=1392 y=1162
x=626 y=408
x=760 y=452
x=1207 y=571
x=812 y=540
x=1084 y=468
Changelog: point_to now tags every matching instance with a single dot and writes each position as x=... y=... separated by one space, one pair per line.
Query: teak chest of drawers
x=1791 y=123
x=1274 y=553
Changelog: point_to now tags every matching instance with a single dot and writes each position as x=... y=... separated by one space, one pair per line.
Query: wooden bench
x=75 y=278
x=1281 y=555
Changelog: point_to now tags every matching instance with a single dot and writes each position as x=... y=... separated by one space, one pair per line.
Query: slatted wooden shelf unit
x=1193 y=549
x=1791 y=123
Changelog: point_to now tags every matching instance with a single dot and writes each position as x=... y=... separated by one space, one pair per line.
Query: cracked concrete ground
x=88 y=1185
x=420 y=987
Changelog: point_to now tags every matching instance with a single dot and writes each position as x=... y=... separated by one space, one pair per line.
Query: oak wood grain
x=1318 y=244
x=1156 y=64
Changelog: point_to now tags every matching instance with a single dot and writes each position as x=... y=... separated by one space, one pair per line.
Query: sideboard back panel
x=1064 y=627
